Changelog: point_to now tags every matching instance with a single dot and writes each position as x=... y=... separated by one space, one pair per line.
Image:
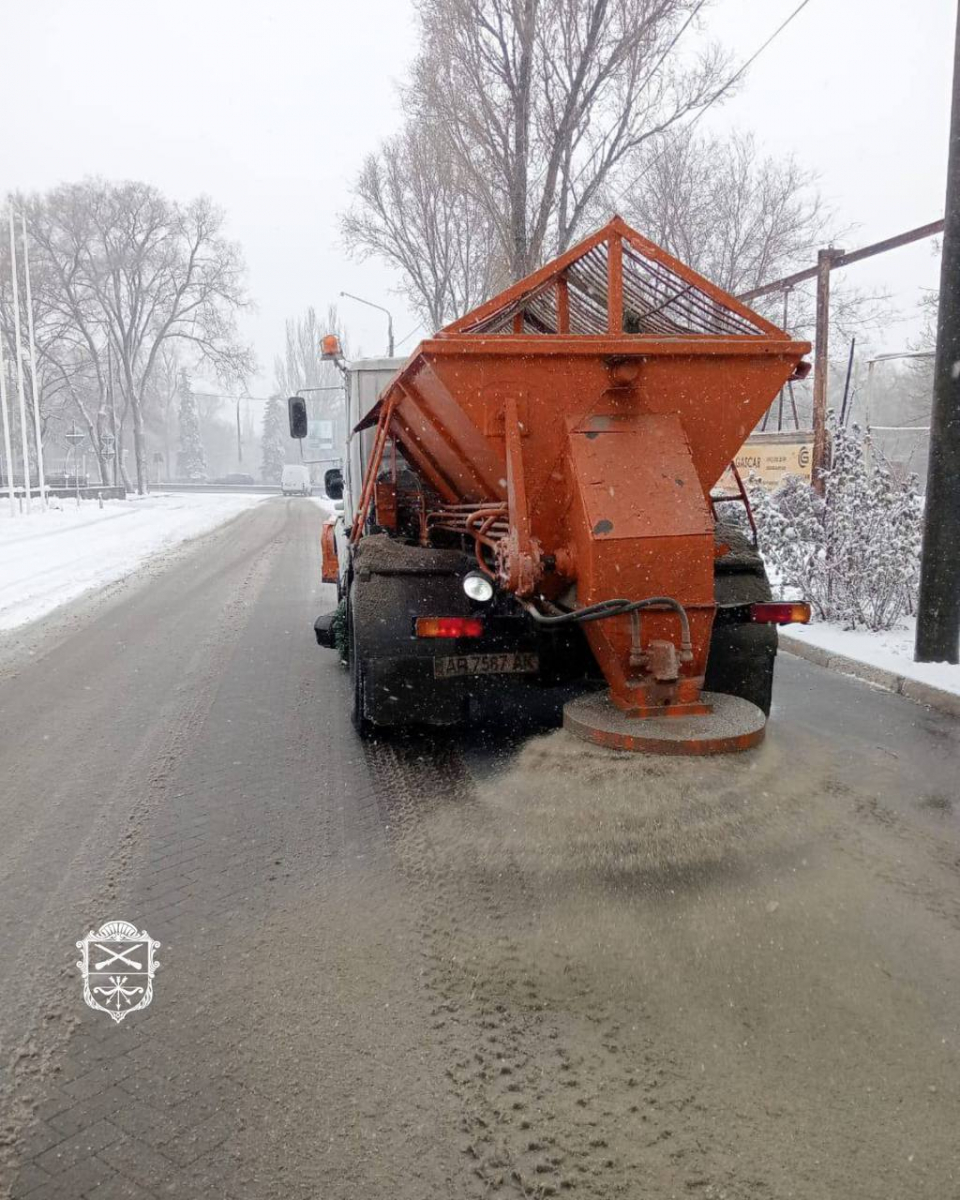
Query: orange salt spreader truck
x=536 y=508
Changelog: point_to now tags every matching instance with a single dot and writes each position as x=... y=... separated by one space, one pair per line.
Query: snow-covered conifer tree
x=191 y=460
x=272 y=444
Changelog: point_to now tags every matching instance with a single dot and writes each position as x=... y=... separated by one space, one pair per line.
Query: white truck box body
x=366 y=379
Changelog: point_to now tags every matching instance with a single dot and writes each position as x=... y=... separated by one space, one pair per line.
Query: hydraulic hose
x=617 y=608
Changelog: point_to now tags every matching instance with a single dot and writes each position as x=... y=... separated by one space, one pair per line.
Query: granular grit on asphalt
x=624 y=813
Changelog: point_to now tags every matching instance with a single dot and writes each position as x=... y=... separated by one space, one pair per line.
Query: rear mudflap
x=403 y=691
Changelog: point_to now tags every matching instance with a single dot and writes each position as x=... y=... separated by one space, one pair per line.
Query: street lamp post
x=370 y=304
x=18 y=352
x=7 y=449
x=37 y=431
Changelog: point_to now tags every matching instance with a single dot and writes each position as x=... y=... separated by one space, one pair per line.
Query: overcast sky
x=270 y=108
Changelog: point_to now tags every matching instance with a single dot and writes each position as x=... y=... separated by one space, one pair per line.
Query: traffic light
x=297 y=409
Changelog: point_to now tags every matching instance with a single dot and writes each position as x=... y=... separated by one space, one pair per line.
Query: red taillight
x=449 y=627
x=780 y=613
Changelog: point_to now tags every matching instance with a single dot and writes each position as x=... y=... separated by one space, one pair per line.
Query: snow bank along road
x=501 y=965
x=50 y=558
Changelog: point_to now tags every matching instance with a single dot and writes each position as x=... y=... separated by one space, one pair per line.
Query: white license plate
x=485 y=664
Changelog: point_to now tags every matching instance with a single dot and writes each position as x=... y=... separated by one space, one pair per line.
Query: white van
x=295 y=480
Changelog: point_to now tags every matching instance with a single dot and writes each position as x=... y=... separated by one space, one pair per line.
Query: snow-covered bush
x=855 y=552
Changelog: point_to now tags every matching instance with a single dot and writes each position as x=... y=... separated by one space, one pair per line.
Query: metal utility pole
x=38 y=439
x=827 y=261
x=821 y=364
x=7 y=450
x=113 y=420
x=370 y=304
x=24 y=448
x=236 y=400
x=846 y=260
x=938 y=613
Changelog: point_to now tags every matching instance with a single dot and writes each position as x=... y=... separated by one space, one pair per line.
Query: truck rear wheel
x=395 y=682
x=742 y=654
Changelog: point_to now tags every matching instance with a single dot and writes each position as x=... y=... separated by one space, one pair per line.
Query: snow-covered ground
x=51 y=557
x=890 y=651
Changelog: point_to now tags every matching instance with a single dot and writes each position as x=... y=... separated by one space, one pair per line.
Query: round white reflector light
x=478 y=587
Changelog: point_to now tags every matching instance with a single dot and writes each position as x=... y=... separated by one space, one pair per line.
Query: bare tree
x=742 y=219
x=301 y=366
x=738 y=217
x=302 y=369
x=541 y=101
x=413 y=209
x=71 y=384
x=130 y=271
x=929 y=308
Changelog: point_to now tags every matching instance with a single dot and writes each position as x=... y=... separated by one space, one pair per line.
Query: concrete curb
x=913 y=689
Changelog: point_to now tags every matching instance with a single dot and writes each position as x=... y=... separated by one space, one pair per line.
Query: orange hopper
x=574 y=425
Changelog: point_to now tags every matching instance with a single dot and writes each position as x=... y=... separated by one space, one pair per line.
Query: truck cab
x=365 y=380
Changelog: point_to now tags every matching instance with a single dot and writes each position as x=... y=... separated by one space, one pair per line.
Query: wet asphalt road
x=499 y=964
